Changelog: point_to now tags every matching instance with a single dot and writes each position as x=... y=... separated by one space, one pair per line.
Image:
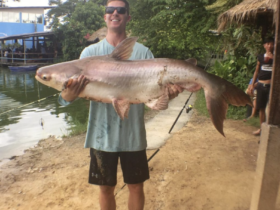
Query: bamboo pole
x=24 y=51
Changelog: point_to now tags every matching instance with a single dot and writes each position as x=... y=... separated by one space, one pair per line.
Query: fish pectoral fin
x=124 y=50
x=160 y=103
x=121 y=106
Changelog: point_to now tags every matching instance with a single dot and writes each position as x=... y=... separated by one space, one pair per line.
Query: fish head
x=57 y=75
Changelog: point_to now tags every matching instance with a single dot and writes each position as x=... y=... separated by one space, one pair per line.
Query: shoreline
x=197 y=168
x=148 y=116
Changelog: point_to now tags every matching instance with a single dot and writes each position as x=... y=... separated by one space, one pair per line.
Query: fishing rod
x=28 y=104
x=148 y=161
x=189 y=108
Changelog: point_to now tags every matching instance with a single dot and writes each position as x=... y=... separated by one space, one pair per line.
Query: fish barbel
x=115 y=79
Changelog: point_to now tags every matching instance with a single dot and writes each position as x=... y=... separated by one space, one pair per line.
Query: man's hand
x=75 y=87
x=174 y=90
x=270 y=55
x=251 y=90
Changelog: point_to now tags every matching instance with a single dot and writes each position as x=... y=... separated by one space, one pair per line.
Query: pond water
x=24 y=120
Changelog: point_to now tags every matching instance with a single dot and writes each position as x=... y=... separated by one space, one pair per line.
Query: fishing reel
x=189 y=108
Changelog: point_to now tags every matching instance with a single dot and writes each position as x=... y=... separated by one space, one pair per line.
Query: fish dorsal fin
x=124 y=50
x=192 y=61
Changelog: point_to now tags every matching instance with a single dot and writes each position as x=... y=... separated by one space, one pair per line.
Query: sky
x=23 y=3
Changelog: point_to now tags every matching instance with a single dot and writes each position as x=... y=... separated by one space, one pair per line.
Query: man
x=109 y=137
x=263 y=73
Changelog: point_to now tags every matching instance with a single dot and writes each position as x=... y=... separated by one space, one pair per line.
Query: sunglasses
x=111 y=10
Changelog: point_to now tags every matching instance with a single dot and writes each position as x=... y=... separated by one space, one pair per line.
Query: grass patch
x=200 y=103
x=254 y=121
x=146 y=109
x=236 y=113
x=77 y=128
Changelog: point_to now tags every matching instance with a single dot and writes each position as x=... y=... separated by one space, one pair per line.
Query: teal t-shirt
x=106 y=131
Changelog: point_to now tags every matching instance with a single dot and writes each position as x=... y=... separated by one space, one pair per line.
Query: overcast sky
x=22 y=3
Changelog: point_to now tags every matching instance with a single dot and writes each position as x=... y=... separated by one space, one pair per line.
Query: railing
x=26 y=58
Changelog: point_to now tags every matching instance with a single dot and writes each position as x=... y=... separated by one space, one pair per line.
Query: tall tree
x=80 y=19
x=173 y=28
x=3 y=2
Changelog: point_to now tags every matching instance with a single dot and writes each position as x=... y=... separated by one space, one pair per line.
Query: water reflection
x=24 y=127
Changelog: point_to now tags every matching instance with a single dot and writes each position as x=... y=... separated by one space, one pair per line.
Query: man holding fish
x=123 y=75
x=108 y=136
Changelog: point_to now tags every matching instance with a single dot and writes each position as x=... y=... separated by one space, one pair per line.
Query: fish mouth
x=38 y=77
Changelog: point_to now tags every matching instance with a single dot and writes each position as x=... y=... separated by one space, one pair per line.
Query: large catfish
x=117 y=80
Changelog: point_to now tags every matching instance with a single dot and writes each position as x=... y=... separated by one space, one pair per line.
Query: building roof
x=247 y=11
x=25 y=36
x=100 y=34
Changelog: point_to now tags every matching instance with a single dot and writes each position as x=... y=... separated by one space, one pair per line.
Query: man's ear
x=128 y=18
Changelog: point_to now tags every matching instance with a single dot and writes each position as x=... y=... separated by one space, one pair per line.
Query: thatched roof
x=100 y=34
x=247 y=11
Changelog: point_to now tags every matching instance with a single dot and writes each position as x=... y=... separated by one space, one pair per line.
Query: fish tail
x=217 y=101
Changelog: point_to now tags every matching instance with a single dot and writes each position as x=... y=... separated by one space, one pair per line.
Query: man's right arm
x=75 y=87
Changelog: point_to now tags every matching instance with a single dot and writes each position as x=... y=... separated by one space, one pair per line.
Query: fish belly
x=135 y=94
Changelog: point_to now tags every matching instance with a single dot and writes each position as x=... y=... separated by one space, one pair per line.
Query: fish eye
x=44 y=77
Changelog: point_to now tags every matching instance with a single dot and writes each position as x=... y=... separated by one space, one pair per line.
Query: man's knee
x=108 y=190
x=136 y=188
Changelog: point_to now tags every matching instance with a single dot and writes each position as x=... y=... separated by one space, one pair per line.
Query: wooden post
x=274 y=104
x=268 y=165
x=24 y=51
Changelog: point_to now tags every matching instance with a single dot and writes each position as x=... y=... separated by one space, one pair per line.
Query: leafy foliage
x=242 y=46
x=173 y=28
x=85 y=18
x=170 y=28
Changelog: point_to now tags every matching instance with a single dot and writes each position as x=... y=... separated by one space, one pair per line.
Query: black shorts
x=103 y=167
x=262 y=95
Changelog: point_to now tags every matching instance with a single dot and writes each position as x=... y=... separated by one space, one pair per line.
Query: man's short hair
x=268 y=40
x=126 y=4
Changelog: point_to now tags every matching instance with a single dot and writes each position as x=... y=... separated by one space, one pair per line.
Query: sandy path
x=197 y=169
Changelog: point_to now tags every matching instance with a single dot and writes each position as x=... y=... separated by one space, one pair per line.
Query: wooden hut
x=261 y=13
x=97 y=36
x=264 y=13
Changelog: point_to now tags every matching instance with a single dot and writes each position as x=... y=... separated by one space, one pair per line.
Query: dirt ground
x=197 y=169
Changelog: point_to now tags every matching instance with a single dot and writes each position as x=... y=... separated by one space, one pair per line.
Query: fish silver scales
x=117 y=80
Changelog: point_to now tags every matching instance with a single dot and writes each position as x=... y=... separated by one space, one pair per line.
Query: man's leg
x=136 y=198
x=254 y=109
x=107 y=198
x=135 y=171
x=103 y=172
x=262 y=115
x=261 y=102
x=262 y=120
